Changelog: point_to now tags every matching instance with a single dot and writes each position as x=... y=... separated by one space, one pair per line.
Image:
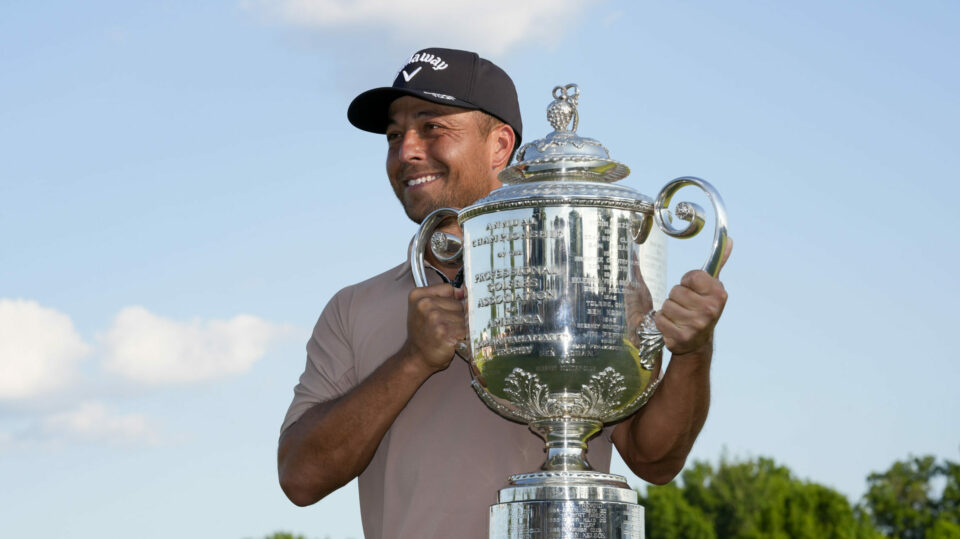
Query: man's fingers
x=435 y=290
x=444 y=304
x=673 y=312
x=442 y=296
x=445 y=328
x=685 y=297
x=700 y=282
x=440 y=308
x=699 y=308
x=436 y=323
x=688 y=316
x=672 y=332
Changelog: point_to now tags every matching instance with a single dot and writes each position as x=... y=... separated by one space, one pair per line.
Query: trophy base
x=567 y=505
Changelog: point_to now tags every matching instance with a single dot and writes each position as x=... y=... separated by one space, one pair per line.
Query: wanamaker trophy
x=563 y=270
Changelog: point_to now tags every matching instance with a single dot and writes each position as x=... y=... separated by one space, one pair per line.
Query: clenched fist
x=688 y=316
x=436 y=323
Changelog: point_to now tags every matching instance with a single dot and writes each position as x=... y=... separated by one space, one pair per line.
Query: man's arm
x=334 y=441
x=656 y=440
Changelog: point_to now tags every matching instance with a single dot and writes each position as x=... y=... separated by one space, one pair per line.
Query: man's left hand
x=688 y=316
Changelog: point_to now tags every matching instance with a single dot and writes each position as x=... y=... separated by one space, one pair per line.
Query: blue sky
x=180 y=194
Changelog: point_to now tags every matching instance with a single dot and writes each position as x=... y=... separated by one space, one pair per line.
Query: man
x=382 y=398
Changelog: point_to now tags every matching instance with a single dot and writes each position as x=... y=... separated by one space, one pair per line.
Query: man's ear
x=501 y=139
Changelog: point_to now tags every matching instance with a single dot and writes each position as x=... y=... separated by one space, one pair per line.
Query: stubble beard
x=417 y=211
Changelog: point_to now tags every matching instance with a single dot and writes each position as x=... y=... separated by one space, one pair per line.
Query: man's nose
x=412 y=147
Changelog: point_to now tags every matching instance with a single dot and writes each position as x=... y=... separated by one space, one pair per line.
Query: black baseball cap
x=445 y=76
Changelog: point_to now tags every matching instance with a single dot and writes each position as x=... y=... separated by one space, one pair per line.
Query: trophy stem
x=566 y=442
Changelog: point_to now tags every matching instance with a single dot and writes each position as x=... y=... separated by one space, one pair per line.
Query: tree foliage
x=917 y=498
x=750 y=499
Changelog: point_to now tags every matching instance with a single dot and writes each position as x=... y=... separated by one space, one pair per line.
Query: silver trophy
x=563 y=269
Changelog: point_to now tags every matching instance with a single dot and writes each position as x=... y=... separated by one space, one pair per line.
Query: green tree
x=944 y=529
x=917 y=498
x=675 y=517
x=949 y=506
x=750 y=499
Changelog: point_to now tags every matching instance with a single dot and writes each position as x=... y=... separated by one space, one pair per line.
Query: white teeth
x=422 y=179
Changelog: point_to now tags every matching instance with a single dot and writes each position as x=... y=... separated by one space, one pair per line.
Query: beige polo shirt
x=439 y=467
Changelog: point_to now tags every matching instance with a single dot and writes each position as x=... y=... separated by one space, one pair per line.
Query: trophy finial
x=564 y=107
x=563 y=155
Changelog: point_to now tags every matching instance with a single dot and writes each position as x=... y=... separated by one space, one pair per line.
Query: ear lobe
x=502 y=139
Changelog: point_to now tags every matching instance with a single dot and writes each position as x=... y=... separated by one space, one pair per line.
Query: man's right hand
x=436 y=323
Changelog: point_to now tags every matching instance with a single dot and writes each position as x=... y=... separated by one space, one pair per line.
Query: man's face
x=437 y=156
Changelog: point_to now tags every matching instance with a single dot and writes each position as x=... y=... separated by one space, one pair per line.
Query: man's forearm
x=655 y=441
x=334 y=441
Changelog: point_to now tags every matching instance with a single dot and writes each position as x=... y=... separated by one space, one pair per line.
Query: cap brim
x=368 y=111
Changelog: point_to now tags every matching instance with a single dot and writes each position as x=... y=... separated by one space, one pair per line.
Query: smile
x=420 y=180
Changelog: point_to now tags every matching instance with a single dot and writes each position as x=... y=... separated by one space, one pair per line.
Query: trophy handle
x=693 y=215
x=446 y=247
x=424 y=236
x=651 y=340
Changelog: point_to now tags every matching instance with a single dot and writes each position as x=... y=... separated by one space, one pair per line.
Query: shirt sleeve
x=331 y=369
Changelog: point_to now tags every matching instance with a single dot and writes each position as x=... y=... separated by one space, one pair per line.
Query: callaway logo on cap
x=432 y=60
x=445 y=76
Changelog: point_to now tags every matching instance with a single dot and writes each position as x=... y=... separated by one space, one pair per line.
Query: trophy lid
x=562 y=168
x=563 y=155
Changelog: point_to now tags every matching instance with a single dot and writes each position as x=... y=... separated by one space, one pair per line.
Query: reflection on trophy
x=563 y=270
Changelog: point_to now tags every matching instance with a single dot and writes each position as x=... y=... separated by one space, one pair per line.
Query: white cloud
x=147 y=348
x=39 y=349
x=92 y=422
x=491 y=27
x=89 y=422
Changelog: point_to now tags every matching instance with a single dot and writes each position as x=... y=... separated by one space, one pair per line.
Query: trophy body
x=550 y=308
x=557 y=292
x=563 y=270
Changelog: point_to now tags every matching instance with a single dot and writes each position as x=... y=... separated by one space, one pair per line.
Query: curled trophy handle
x=445 y=247
x=424 y=237
x=693 y=215
x=650 y=337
